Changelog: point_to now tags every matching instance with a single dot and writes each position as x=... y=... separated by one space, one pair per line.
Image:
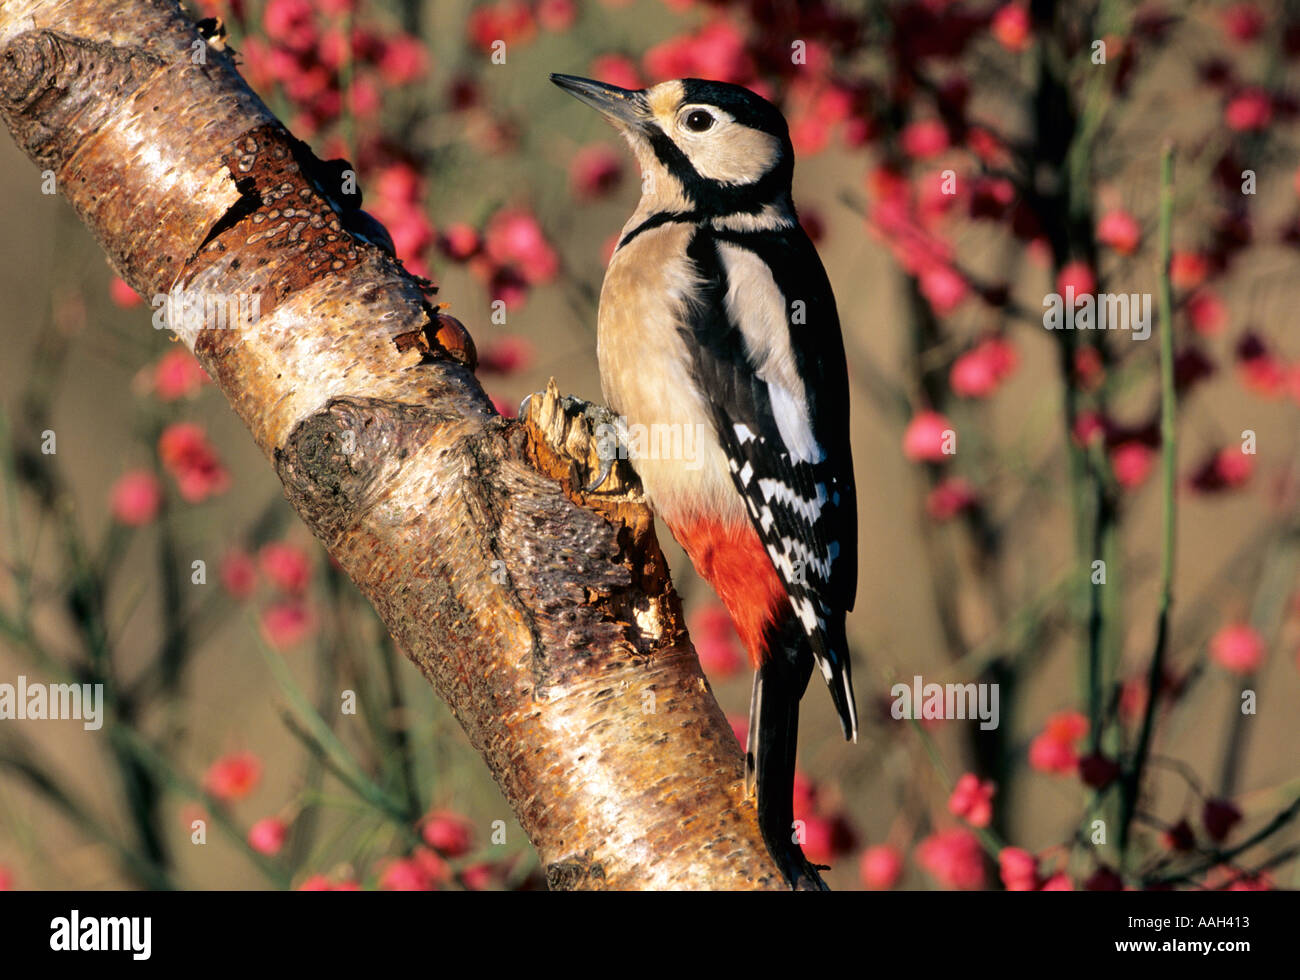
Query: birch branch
x=545 y=620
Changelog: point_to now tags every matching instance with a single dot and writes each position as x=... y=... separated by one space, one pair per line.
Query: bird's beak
x=623 y=107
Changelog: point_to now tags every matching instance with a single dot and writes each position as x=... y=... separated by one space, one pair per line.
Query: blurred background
x=957 y=164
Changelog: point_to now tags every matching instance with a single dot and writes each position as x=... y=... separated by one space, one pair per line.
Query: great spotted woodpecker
x=716 y=316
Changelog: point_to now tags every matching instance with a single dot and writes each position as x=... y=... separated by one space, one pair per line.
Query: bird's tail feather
x=773 y=739
x=832 y=655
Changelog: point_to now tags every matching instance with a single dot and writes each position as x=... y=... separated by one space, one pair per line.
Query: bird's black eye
x=698 y=121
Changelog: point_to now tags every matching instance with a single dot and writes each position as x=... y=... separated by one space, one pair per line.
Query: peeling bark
x=545 y=617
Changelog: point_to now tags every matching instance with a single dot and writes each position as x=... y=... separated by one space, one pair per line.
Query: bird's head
x=710 y=147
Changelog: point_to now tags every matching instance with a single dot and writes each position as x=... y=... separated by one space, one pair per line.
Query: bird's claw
x=606 y=468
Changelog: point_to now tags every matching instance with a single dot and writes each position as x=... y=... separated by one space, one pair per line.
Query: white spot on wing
x=788 y=497
x=758 y=308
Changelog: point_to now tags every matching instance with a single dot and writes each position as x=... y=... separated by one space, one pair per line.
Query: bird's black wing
x=788 y=450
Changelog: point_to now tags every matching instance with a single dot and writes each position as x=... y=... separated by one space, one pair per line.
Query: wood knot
x=50 y=81
x=337 y=462
x=30 y=65
x=577 y=872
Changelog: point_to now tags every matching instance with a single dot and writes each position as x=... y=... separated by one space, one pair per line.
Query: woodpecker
x=717 y=317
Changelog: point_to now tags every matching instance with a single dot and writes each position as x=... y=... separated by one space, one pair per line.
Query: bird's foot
x=588 y=440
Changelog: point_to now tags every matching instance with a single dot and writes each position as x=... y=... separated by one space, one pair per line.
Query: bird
x=717 y=319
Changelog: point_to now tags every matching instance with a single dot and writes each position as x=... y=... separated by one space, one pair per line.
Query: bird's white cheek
x=734 y=155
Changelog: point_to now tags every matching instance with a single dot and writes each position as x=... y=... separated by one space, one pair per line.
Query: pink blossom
x=1227 y=469
x=135 y=498
x=479 y=877
x=503 y=408
x=556 y=15
x=233 y=777
x=978 y=372
x=1243 y=22
x=972 y=375
x=953 y=858
x=949 y=498
x=404 y=60
x=1053 y=749
x=1265 y=375
x=1131 y=462
x=1077 y=276
x=406 y=875
x=813 y=224
x=1247 y=882
x=740 y=728
x=716 y=642
x=286 y=623
x=514 y=237
x=1238 y=648
x=803 y=794
x=508 y=286
x=398 y=183
x=943 y=288
x=178 y=375
x=187 y=455
x=510 y=21
x=718 y=51
x=1187 y=270
x=615 y=69
x=972 y=800
x=926 y=437
x=286 y=566
x=881 y=867
x=809 y=134
x=459 y=241
x=1011 y=27
x=506 y=355
x=1251 y=109
x=1088 y=370
x=238 y=573
x=1207 y=313
x=412 y=233
x=1119 y=229
x=924 y=138
x=120 y=294
x=826 y=838
x=1089 y=427
x=291 y=23
x=594 y=171
x=448 y=833
x=267 y=835
x=1018 y=869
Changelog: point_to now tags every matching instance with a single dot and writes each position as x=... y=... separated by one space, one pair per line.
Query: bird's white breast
x=645 y=371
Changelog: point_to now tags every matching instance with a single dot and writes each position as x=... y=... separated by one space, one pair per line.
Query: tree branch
x=547 y=623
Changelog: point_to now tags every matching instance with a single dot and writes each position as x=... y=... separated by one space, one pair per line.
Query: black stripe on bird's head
x=705 y=146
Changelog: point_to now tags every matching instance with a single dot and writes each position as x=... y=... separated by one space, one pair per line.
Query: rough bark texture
x=545 y=618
